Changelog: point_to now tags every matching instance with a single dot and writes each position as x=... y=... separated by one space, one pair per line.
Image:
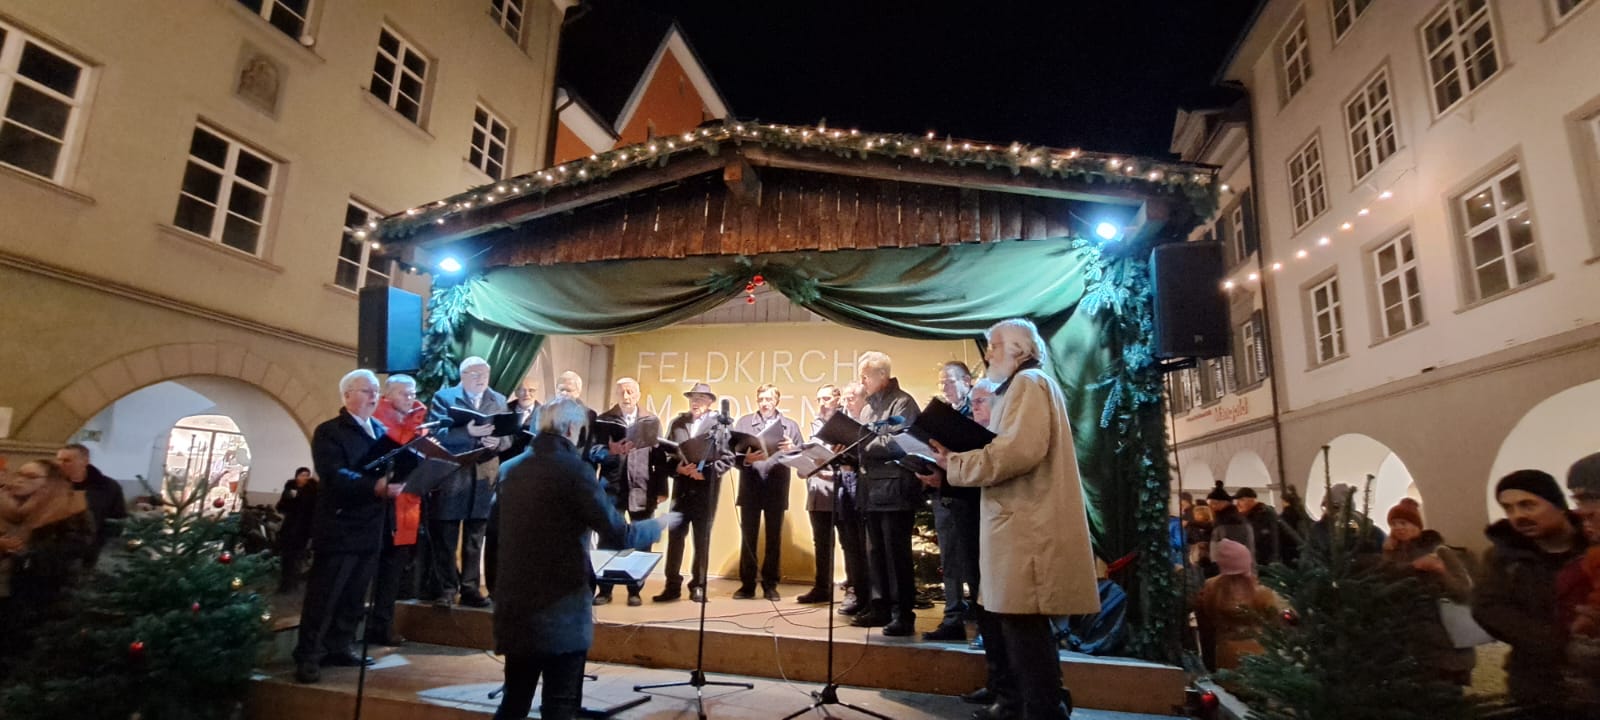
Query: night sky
x=1105 y=75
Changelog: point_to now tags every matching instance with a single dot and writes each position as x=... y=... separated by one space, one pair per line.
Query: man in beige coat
x=1033 y=543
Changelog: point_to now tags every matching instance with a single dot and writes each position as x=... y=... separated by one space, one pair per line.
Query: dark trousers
x=852 y=526
x=563 y=686
x=749 y=526
x=1024 y=664
x=333 y=604
x=291 y=551
x=391 y=570
x=822 y=546
x=447 y=539
x=956 y=520
x=889 y=560
x=700 y=523
x=491 y=546
x=606 y=587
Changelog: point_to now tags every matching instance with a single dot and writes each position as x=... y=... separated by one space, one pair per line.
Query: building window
x=1370 y=118
x=1499 y=234
x=42 y=91
x=288 y=16
x=1327 y=321
x=1345 y=13
x=1394 y=266
x=1252 y=343
x=1295 y=59
x=360 y=264
x=508 y=15
x=226 y=191
x=489 y=139
x=1216 y=380
x=1459 y=41
x=1563 y=8
x=1236 y=243
x=1307 y=187
x=399 y=75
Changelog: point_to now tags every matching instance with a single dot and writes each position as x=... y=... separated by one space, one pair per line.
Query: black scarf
x=1029 y=364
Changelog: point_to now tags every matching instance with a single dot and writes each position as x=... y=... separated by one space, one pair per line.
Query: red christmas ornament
x=1208 y=701
x=136 y=650
x=1290 y=617
x=195 y=608
x=225 y=558
x=760 y=280
x=218 y=503
x=750 y=287
x=750 y=300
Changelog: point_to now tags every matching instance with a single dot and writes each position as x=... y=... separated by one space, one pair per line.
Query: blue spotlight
x=1105 y=230
x=450 y=265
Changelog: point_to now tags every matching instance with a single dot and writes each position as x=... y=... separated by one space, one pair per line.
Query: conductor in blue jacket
x=550 y=499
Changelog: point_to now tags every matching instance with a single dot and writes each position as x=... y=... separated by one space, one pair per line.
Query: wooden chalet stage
x=447 y=675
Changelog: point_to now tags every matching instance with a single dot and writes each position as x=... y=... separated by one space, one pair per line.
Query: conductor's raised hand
x=940 y=453
x=479 y=430
x=671 y=520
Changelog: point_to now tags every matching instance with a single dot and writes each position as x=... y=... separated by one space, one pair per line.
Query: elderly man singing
x=1033 y=544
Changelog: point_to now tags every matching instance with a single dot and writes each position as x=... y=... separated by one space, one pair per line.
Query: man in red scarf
x=401 y=415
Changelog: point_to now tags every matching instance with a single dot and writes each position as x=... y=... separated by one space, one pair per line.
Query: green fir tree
x=168 y=630
x=1346 y=647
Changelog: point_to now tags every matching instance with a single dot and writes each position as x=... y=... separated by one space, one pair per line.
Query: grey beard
x=1001 y=371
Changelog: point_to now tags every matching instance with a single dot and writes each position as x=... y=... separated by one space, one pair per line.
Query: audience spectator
x=1412 y=550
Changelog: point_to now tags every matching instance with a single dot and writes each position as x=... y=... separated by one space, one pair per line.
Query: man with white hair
x=569 y=385
x=635 y=478
x=1034 y=550
x=889 y=496
x=347 y=531
x=460 y=514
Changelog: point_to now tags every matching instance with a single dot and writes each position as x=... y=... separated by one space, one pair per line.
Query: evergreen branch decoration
x=441 y=340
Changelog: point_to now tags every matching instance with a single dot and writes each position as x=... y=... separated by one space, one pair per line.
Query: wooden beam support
x=741 y=179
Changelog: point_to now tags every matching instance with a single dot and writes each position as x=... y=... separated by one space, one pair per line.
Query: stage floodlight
x=1106 y=231
x=450 y=265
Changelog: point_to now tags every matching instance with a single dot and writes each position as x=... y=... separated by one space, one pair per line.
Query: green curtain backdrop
x=1086 y=302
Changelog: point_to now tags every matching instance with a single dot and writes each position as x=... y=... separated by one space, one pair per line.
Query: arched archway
x=1352 y=457
x=1550 y=437
x=1247 y=469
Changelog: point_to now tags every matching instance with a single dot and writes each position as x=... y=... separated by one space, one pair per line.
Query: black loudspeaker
x=1190 y=308
x=389 y=336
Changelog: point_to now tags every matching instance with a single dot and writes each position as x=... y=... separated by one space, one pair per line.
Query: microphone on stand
x=724 y=418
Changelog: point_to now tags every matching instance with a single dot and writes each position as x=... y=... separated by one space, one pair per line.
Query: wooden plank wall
x=794 y=211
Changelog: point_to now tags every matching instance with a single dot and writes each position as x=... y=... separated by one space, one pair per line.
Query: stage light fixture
x=450 y=265
x=1105 y=230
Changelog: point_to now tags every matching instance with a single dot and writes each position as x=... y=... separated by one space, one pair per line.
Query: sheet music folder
x=957 y=432
x=506 y=423
x=644 y=433
x=623 y=565
x=766 y=442
x=840 y=430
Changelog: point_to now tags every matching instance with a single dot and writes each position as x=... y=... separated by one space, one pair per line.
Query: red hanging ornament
x=1290 y=618
x=750 y=287
x=136 y=651
x=225 y=558
x=758 y=280
x=750 y=300
x=219 y=503
x=195 y=608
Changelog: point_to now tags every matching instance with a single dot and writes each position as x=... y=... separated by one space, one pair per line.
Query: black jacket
x=770 y=492
x=1515 y=601
x=549 y=501
x=885 y=486
x=1264 y=524
x=349 y=518
x=697 y=498
x=467 y=493
x=104 y=497
x=298 y=505
x=636 y=494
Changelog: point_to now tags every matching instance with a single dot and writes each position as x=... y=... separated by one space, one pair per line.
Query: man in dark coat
x=1515 y=599
x=956 y=519
x=1263 y=524
x=635 y=478
x=543 y=621
x=461 y=507
x=1228 y=524
x=763 y=493
x=347 y=530
x=694 y=493
x=297 y=505
x=103 y=494
x=889 y=495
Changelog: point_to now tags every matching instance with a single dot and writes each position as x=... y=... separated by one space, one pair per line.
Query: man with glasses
x=460 y=515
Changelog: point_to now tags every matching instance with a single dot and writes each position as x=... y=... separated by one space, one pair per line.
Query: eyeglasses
x=474 y=373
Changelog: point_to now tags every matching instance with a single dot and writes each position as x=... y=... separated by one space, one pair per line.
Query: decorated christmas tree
x=167 y=630
x=1346 y=647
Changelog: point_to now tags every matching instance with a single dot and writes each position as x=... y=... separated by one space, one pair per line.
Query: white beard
x=1002 y=371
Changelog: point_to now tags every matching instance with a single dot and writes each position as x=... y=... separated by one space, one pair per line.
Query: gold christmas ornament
x=135 y=543
x=236 y=584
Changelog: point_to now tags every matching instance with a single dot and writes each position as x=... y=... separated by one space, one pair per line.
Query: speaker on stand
x=389 y=330
x=1191 y=311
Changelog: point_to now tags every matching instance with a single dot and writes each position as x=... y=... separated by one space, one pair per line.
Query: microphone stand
x=829 y=694
x=697 y=676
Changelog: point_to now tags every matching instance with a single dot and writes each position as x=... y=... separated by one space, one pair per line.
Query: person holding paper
x=401 y=415
x=819 y=507
x=347 y=530
x=543 y=621
x=852 y=523
x=763 y=493
x=635 y=478
x=694 y=494
x=461 y=508
x=1033 y=546
x=889 y=494
x=955 y=517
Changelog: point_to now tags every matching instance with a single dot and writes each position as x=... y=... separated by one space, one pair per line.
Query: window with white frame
x=1369 y=116
x=1327 y=320
x=399 y=75
x=1499 y=234
x=288 y=16
x=1294 y=59
x=1394 y=272
x=508 y=15
x=43 y=91
x=360 y=263
x=1252 y=343
x=1193 y=395
x=226 y=192
x=490 y=137
x=1459 y=42
x=1216 y=380
x=1563 y=8
x=1345 y=13
x=1236 y=242
x=1308 y=188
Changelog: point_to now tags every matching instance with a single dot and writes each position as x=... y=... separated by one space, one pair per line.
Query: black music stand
x=697 y=676
x=829 y=694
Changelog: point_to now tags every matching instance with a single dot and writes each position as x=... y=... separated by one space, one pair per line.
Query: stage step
x=787 y=641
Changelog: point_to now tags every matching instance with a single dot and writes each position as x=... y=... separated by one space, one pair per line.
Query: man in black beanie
x=1228 y=524
x=1516 y=599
